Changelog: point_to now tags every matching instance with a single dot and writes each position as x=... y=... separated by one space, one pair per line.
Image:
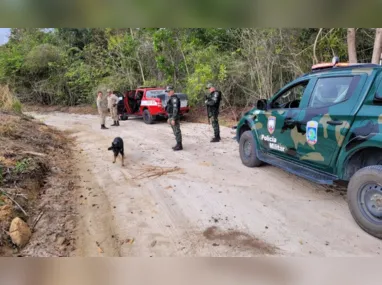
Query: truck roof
x=330 y=67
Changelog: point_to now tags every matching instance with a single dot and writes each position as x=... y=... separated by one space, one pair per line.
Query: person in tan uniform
x=112 y=105
x=102 y=108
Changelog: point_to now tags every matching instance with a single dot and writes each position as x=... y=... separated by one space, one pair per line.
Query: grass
x=17 y=106
x=7 y=130
x=22 y=165
x=8 y=101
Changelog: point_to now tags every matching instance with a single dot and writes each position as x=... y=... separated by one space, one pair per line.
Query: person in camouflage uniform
x=102 y=105
x=112 y=105
x=213 y=103
x=173 y=111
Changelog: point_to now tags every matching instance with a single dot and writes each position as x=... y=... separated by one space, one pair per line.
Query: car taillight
x=158 y=101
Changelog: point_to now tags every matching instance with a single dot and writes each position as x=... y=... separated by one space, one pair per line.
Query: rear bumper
x=183 y=111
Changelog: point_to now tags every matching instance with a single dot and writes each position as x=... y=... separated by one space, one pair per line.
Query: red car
x=147 y=102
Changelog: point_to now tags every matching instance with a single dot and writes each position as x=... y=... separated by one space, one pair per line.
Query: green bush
x=39 y=59
x=22 y=166
x=17 y=106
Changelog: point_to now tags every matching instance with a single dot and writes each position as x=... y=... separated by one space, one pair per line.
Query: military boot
x=118 y=123
x=216 y=139
x=103 y=127
x=115 y=123
x=178 y=147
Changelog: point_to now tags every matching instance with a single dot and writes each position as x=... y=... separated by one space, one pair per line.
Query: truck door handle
x=335 y=123
x=289 y=121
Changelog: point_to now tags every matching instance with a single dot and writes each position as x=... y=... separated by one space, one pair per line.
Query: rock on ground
x=19 y=232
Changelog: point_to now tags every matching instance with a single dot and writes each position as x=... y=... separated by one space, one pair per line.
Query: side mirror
x=262 y=104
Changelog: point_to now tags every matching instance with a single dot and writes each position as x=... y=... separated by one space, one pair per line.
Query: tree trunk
x=352 y=51
x=315 y=60
x=377 y=46
x=139 y=60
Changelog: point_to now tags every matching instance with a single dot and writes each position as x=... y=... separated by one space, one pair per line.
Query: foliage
x=22 y=166
x=40 y=58
x=17 y=106
x=68 y=65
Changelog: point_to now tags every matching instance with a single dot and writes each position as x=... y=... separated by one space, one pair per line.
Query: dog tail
x=110 y=148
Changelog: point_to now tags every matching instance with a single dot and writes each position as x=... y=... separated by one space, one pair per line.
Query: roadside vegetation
x=66 y=66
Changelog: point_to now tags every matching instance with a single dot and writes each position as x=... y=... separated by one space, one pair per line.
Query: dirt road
x=198 y=202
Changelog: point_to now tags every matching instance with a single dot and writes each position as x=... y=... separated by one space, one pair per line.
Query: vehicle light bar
x=335 y=63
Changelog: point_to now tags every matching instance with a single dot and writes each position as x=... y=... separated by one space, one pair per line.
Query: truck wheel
x=147 y=118
x=364 y=197
x=247 y=149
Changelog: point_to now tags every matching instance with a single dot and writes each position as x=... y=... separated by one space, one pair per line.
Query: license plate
x=183 y=103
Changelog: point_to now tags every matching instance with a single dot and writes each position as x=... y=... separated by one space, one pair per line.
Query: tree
x=377 y=46
x=351 y=36
x=66 y=66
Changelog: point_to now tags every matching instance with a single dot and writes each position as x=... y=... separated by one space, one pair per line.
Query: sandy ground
x=209 y=205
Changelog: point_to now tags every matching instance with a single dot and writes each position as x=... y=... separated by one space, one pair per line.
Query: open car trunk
x=183 y=99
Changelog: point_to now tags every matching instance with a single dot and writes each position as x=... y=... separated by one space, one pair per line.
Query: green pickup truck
x=325 y=126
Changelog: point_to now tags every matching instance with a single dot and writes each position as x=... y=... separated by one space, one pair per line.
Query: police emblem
x=271 y=124
x=311 y=132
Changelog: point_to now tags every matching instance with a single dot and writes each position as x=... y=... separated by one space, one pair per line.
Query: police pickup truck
x=325 y=126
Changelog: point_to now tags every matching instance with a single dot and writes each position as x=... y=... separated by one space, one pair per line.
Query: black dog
x=117 y=148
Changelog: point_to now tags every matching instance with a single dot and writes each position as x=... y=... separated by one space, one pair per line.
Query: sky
x=4 y=33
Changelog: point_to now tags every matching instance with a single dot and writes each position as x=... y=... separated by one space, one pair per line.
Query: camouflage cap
x=169 y=88
x=209 y=85
x=108 y=90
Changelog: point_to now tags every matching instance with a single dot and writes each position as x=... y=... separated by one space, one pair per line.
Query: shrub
x=8 y=101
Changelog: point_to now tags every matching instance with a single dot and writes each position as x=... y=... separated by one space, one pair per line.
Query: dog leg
x=115 y=157
x=123 y=160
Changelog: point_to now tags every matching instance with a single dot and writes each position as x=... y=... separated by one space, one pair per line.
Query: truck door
x=276 y=133
x=129 y=101
x=328 y=116
x=139 y=100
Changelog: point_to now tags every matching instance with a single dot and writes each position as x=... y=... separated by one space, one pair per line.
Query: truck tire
x=247 y=149
x=147 y=118
x=364 y=197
